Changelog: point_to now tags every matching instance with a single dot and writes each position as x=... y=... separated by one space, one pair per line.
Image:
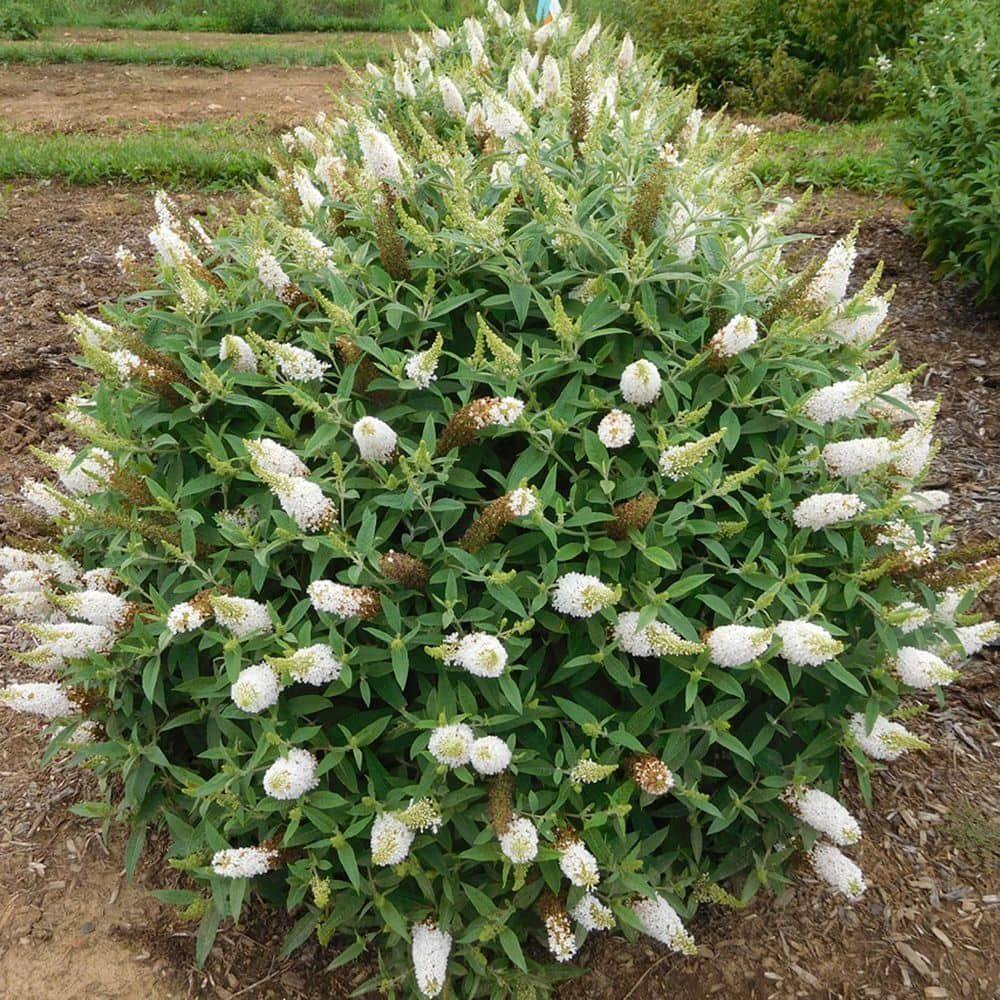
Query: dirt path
x=99 y=97
x=70 y=927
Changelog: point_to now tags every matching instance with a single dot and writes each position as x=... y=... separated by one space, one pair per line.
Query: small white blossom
x=310 y=195
x=390 y=841
x=912 y=451
x=275 y=458
x=304 y=502
x=315 y=665
x=452 y=745
x=908 y=617
x=241 y=615
x=626 y=54
x=430 y=949
x=499 y=15
x=503 y=119
x=833 y=402
x=481 y=654
x=519 y=842
x=929 y=501
x=403 y=82
x=101 y=578
x=47 y=700
x=185 y=617
x=297 y=363
x=656 y=639
x=380 y=156
x=290 y=777
x=90 y=475
x=256 y=688
x=903 y=538
x=824 y=813
x=243 y=862
x=505 y=411
x=806 y=644
x=736 y=336
x=550 y=83
x=948 y=603
x=489 y=755
x=835 y=868
x=921 y=669
x=338 y=599
x=592 y=914
x=28 y=605
x=975 y=637
x=451 y=96
x=580 y=866
x=862 y=328
x=376 y=440
x=640 y=383
x=660 y=921
x=829 y=286
x=422 y=368
x=616 y=429
x=824 y=509
x=581 y=596
x=857 y=456
x=734 y=645
x=127 y=364
x=521 y=502
x=172 y=249
x=42 y=496
x=441 y=38
x=97 y=607
x=270 y=273
x=586 y=41
x=886 y=741
x=73 y=640
x=561 y=940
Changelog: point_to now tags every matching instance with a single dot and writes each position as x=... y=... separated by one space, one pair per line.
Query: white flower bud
x=452 y=745
x=640 y=383
x=616 y=429
x=734 y=645
x=489 y=755
x=292 y=776
x=390 y=840
x=256 y=688
x=835 y=868
x=519 y=842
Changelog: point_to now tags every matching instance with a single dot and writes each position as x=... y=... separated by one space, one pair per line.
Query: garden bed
x=932 y=844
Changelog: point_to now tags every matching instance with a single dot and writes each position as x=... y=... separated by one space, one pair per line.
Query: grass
x=210 y=155
x=272 y=16
x=354 y=51
x=226 y=154
x=843 y=155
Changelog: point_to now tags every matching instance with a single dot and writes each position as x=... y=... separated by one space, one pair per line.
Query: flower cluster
x=489 y=493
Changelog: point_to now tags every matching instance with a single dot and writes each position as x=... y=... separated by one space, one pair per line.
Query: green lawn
x=212 y=155
x=354 y=50
x=843 y=155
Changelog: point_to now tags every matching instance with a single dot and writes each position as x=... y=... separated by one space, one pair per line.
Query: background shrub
x=18 y=22
x=812 y=57
x=487 y=526
x=946 y=82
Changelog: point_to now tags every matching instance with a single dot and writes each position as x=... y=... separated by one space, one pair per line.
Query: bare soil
x=70 y=927
x=105 y=98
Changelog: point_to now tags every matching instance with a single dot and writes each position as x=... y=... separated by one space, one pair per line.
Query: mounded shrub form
x=945 y=81
x=486 y=540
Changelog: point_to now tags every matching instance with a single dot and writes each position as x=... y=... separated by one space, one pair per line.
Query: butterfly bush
x=486 y=539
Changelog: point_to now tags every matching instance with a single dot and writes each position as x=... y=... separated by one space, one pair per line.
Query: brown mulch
x=71 y=927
